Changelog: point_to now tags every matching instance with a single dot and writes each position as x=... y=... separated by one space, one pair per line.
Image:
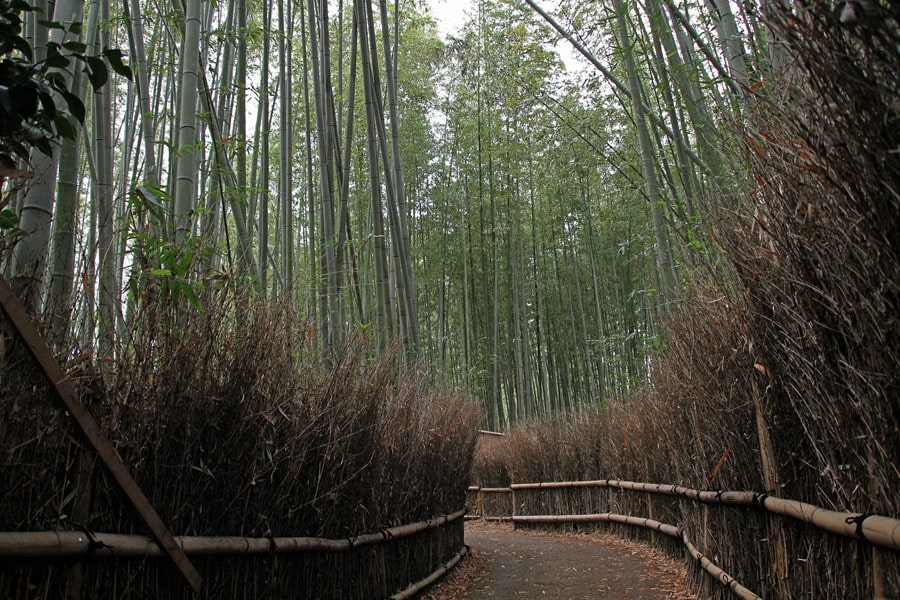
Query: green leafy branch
x=31 y=92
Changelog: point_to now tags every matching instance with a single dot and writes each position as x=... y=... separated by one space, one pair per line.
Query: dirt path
x=507 y=564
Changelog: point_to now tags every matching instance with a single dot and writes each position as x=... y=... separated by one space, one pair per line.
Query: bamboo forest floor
x=507 y=564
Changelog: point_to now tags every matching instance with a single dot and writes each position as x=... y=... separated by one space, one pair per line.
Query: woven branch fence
x=568 y=503
x=391 y=563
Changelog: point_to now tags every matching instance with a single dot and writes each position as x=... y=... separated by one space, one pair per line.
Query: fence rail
x=53 y=544
x=382 y=572
x=877 y=530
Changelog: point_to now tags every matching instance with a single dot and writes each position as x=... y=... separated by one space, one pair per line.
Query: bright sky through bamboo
x=451 y=15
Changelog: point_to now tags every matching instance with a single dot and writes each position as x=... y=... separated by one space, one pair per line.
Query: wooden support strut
x=69 y=395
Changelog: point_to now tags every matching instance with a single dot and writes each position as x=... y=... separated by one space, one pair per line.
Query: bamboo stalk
x=55 y=544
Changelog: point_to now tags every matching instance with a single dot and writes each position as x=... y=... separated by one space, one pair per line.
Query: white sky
x=451 y=15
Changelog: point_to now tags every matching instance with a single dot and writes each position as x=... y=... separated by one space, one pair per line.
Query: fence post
x=880 y=585
x=778 y=544
x=654 y=537
x=81 y=508
x=707 y=539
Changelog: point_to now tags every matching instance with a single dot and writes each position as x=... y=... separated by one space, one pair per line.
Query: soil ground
x=507 y=564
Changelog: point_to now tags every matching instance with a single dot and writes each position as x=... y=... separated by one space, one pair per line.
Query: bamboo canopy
x=876 y=529
x=671 y=530
x=58 y=544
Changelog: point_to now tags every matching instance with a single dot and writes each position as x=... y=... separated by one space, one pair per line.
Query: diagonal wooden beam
x=69 y=395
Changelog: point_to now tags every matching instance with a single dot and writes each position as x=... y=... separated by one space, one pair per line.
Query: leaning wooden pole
x=68 y=394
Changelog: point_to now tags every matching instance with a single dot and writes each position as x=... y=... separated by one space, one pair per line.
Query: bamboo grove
x=521 y=227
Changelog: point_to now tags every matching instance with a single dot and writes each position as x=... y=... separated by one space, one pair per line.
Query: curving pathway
x=507 y=564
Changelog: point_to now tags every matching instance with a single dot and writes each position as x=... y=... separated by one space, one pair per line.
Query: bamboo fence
x=50 y=545
x=58 y=544
x=878 y=530
x=437 y=574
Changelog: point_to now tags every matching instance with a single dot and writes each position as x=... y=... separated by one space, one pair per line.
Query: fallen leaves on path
x=472 y=575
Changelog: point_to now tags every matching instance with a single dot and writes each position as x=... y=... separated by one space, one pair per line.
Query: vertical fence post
x=84 y=472
x=707 y=539
x=880 y=585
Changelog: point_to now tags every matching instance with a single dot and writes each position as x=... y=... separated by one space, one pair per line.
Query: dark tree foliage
x=36 y=105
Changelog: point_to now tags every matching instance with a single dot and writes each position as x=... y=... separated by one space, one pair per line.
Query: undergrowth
x=231 y=426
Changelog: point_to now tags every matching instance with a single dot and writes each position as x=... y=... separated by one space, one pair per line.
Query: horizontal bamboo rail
x=664 y=528
x=437 y=574
x=58 y=544
x=876 y=529
x=717 y=573
x=671 y=530
x=489 y=490
x=494 y=433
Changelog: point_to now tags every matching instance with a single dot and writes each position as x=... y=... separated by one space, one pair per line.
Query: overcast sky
x=449 y=14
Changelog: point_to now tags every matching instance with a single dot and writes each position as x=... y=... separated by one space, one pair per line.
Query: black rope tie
x=759 y=500
x=858 y=520
x=93 y=544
